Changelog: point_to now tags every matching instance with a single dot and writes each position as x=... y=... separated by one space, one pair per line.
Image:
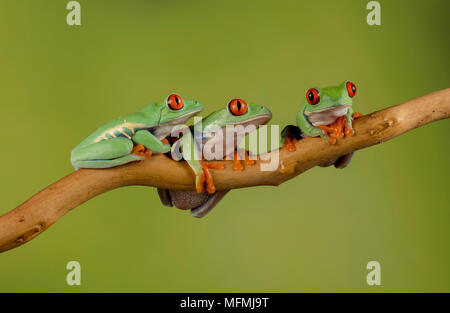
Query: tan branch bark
x=43 y=209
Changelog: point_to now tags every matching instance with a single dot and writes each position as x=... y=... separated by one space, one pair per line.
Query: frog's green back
x=126 y=125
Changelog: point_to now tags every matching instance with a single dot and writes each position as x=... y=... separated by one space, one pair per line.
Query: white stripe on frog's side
x=126 y=130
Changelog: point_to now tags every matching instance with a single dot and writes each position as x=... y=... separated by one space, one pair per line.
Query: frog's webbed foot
x=237 y=165
x=213 y=165
x=206 y=176
x=338 y=126
x=328 y=134
x=332 y=140
x=199 y=182
x=210 y=188
x=335 y=130
x=344 y=160
x=289 y=144
x=348 y=129
x=141 y=150
x=291 y=134
x=247 y=159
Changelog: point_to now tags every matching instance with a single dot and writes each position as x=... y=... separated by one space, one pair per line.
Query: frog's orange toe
x=289 y=144
x=148 y=153
x=210 y=188
x=248 y=161
x=357 y=115
x=338 y=134
x=199 y=181
x=349 y=132
x=141 y=150
x=214 y=165
x=237 y=165
x=138 y=149
x=332 y=140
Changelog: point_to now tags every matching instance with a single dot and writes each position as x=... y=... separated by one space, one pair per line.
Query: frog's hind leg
x=107 y=163
x=104 y=154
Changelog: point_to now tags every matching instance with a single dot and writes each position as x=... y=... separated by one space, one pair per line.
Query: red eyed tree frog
x=134 y=136
x=237 y=112
x=326 y=112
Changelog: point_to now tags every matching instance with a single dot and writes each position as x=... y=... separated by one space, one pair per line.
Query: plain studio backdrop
x=316 y=232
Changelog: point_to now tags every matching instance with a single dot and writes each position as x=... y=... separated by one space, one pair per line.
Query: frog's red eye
x=175 y=102
x=351 y=89
x=312 y=95
x=237 y=107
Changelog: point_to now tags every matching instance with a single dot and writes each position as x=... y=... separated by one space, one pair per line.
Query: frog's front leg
x=186 y=148
x=202 y=174
x=349 y=117
x=145 y=138
x=310 y=130
x=317 y=131
x=348 y=128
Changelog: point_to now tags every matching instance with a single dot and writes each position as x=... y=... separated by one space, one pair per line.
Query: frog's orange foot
x=289 y=144
x=237 y=165
x=247 y=160
x=210 y=188
x=337 y=134
x=142 y=151
x=332 y=140
x=165 y=141
x=214 y=165
x=327 y=129
x=348 y=131
x=357 y=115
x=340 y=127
x=199 y=182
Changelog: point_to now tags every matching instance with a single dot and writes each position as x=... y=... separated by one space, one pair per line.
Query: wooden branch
x=43 y=209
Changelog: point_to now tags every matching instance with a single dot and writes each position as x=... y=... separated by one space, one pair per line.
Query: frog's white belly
x=327 y=116
x=224 y=139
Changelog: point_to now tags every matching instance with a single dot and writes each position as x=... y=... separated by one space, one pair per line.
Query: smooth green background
x=316 y=232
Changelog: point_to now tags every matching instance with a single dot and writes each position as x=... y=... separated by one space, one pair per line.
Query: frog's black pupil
x=353 y=88
x=239 y=105
x=177 y=100
x=311 y=96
